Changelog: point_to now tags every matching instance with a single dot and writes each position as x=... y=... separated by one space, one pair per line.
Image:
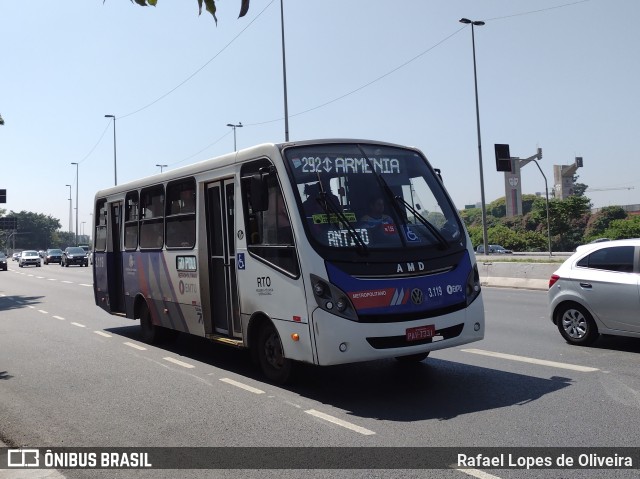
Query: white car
x=29 y=257
x=597 y=291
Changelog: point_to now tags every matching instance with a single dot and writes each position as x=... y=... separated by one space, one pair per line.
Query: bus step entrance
x=238 y=343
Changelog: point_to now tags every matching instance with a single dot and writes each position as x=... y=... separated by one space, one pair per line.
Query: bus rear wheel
x=148 y=331
x=270 y=352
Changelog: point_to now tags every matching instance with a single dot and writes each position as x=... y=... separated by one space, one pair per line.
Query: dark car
x=53 y=256
x=494 y=249
x=74 y=255
x=3 y=262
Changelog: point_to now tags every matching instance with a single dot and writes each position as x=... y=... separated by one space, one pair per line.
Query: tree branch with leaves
x=210 y=6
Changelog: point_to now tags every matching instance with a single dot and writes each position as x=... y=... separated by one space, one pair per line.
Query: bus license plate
x=421 y=332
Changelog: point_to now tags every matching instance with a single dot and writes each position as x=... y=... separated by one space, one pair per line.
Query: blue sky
x=559 y=75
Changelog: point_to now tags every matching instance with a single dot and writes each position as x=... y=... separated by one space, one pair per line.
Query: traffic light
x=3 y=196
x=503 y=157
x=579 y=161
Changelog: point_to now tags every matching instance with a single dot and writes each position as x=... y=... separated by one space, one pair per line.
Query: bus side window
x=131 y=221
x=152 y=224
x=181 y=214
x=101 y=226
x=269 y=233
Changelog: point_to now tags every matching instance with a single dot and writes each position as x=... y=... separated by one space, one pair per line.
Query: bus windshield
x=369 y=196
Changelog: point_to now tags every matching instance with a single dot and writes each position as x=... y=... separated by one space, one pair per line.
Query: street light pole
x=485 y=239
x=115 y=168
x=239 y=125
x=70 y=210
x=76 y=201
x=546 y=192
x=161 y=166
x=284 y=76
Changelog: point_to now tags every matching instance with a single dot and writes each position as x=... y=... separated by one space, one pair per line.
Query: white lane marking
x=43 y=311
x=79 y=325
x=541 y=362
x=179 y=363
x=68 y=282
x=89 y=285
x=103 y=334
x=39 y=277
x=59 y=317
x=242 y=386
x=478 y=474
x=135 y=346
x=340 y=422
x=52 y=279
x=32 y=307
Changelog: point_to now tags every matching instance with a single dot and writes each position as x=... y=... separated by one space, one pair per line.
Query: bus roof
x=263 y=149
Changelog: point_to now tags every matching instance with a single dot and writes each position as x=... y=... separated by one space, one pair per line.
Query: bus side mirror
x=259 y=193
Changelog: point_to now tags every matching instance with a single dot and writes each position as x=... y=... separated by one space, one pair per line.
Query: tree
x=568 y=219
x=35 y=230
x=210 y=6
x=600 y=221
x=622 y=229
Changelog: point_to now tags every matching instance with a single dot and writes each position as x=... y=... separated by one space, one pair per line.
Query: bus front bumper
x=341 y=341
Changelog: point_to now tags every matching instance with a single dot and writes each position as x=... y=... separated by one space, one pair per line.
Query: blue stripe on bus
x=404 y=295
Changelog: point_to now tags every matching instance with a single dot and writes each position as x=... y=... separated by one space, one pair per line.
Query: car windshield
x=371 y=197
x=54 y=251
x=29 y=253
x=75 y=250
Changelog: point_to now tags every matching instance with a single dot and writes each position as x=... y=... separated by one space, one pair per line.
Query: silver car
x=597 y=291
x=29 y=257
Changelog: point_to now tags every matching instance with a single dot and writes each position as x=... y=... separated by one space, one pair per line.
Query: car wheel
x=413 y=358
x=270 y=354
x=576 y=325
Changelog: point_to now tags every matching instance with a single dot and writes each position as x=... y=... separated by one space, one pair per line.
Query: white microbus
x=324 y=252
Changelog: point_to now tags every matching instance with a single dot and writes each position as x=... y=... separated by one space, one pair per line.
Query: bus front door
x=223 y=291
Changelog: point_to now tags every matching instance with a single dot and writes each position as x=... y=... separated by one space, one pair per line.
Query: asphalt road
x=72 y=375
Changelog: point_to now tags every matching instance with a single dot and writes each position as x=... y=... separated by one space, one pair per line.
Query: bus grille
x=399 y=318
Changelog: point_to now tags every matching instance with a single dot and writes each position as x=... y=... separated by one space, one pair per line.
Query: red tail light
x=553 y=279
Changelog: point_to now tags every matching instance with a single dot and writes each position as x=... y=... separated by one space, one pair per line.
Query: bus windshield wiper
x=327 y=205
x=387 y=190
x=427 y=224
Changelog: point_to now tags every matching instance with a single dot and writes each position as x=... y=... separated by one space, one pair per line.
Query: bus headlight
x=473 y=285
x=342 y=303
x=332 y=299
x=319 y=289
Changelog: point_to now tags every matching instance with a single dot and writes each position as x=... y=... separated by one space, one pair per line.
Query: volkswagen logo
x=416 y=296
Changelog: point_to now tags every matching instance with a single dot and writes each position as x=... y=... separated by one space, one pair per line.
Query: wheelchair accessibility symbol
x=240 y=261
x=411 y=236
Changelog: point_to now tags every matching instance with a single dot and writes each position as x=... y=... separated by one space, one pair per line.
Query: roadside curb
x=517 y=283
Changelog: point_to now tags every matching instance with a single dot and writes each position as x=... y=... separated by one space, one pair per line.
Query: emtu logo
x=23 y=458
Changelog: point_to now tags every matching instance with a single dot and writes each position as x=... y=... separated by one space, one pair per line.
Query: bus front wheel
x=270 y=353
